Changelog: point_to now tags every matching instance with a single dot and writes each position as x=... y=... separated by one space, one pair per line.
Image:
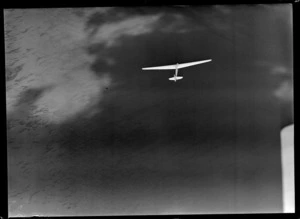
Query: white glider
x=176 y=67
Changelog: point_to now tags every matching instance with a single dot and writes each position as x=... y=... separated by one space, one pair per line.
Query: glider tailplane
x=175 y=78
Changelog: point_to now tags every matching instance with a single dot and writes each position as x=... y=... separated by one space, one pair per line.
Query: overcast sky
x=90 y=133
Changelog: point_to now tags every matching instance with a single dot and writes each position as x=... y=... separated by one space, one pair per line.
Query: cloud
x=279 y=70
x=47 y=48
x=109 y=28
x=284 y=90
x=110 y=33
x=66 y=100
x=283 y=75
x=223 y=9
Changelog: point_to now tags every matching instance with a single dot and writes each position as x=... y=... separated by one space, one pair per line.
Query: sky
x=90 y=133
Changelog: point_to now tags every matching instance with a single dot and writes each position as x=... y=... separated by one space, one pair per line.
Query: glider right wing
x=165 y=67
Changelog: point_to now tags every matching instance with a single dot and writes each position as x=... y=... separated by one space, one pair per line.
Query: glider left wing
x=184 y=65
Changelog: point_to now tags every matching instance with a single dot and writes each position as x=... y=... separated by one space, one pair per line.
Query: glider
x=176 y=67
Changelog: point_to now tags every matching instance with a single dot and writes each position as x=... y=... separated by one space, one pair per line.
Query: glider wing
x=165 y=67
x=184 y=65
